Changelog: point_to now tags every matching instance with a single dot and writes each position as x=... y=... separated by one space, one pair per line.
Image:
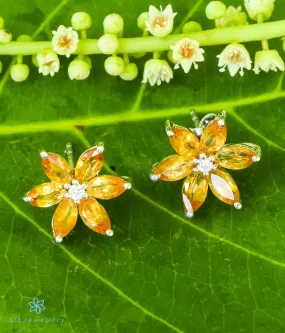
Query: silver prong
x=255 y=158
x=238 y=205
x=28 y=199
x=206 y=173
x=74 y=182
x=127 y=186
x=195 y=170
x=198 y=131
x=109 y=232
x=170 y=134
x=44 y=154
x=100 y=148
x=196 y=161
x=58 y=239
x=202 y=156
x=221 y=123
x=66 y=186
x=154 y=177
x=189 y=214
x=212 y=158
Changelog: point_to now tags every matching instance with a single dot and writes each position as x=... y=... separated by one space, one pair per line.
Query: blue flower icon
x=36 y=306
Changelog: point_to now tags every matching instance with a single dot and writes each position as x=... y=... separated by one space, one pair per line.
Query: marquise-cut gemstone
x=223 y=186
x=46 y=194
x=237 y=156
x=194 y=192
x=174 y=168
x=184 y=141
x=106 y=187
x=57 y=168
x=213 y=137
x=94 y=215
x=89 y=164
x=64 y=218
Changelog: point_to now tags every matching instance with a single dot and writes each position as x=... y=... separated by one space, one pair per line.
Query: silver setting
x=202 y=157
x=28 y=199
x=189 y=214
x=58 y=239
x=76 y=191
x=127 y=186
x=100 y=148
x=170 y=134
x=196 y=161
x=198 y=131
x=221 y=123
x=109 y=232
x=204 y=164
x=44 y=154
x=195 y=170
x=206 y=173
x=66 y=186
x=154 y=177
x=238 y=205
x=255 y=158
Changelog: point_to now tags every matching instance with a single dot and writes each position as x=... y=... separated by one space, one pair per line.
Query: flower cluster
x=184 y=50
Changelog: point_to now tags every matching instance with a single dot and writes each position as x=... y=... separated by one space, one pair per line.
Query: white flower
x=157 y=71
x=255 y=8
x=236 y=57
x=48 y=62
x=160 y=22
x=64 y=41
x=267 y=60
x=187 y=52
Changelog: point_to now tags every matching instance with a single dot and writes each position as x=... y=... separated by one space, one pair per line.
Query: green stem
x=240 y=34
x=264 y=42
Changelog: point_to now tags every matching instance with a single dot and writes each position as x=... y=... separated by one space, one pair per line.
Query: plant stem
x=239 y=34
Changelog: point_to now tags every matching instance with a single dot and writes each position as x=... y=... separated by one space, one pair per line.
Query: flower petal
x=94 y=215
x=106 y=187
x=56 y=168
x=90 y=163
x=224 y=187
x=215 y=134
x=238 y=156
x=46 y=194
x=173 y=168
x=64 y=218
x=182 y=139
x=194 y=193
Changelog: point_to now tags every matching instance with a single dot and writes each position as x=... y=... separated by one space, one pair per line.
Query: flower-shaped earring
x=76 y=190
x=202 y=162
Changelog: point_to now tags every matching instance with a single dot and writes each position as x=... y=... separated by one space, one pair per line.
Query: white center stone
x=76 y=191
x=204 y=164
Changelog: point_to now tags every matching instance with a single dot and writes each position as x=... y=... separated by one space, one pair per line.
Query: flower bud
x=19 y=72
x=215 y=10
x=24 y=38
x=108 y=44
x=78 y=70
x=86 y=59
x=138 y=55
x=170 y=56
x=1 y=67
x=113 y=24
x=34 y=60
x=81 y=21
x=130 y=72
x=114 y=65
x=268 y=60
x=5 y=36
x=191 y=26
x=283 y=43
x=1 y=22
x=48 y=62
x=141 y=20
x=234 y=17
x=257 y=8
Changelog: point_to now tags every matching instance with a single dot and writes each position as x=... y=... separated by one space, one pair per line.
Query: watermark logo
x=36 y=306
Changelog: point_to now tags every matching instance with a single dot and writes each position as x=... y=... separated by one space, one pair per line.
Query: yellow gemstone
x=214 y=136
x=94 y=215
x=194 y=192
x=57 y=168
x=46 y=194
x=184 y=141
x=238 y=156
x=174 y=168
x=224 y=187
x=106 y=187
x=64 y=218
x=89 y=164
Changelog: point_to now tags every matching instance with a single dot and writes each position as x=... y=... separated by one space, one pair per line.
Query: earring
x=202 y=161
x=76 y=190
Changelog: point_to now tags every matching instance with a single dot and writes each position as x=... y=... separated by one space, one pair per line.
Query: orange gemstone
x=94 y=215
x=214 y=136
x=238 y=156
x=57 y=168
x=106 y=187
x=89 y=164
x=194 y=192
x=184 y=141
x=64 y=218
x=46 y=194
x=174 y=168
x=224 y=187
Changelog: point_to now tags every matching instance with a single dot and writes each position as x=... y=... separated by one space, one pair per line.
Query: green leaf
x=222 y=271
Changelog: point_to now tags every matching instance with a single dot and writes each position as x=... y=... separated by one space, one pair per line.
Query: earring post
x=69 y=153
x=194 y=118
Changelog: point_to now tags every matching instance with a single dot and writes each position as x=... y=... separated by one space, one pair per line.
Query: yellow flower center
x=160 y=21
x=187 y=51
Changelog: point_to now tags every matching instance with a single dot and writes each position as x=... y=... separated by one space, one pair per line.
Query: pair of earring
x=202 y=156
